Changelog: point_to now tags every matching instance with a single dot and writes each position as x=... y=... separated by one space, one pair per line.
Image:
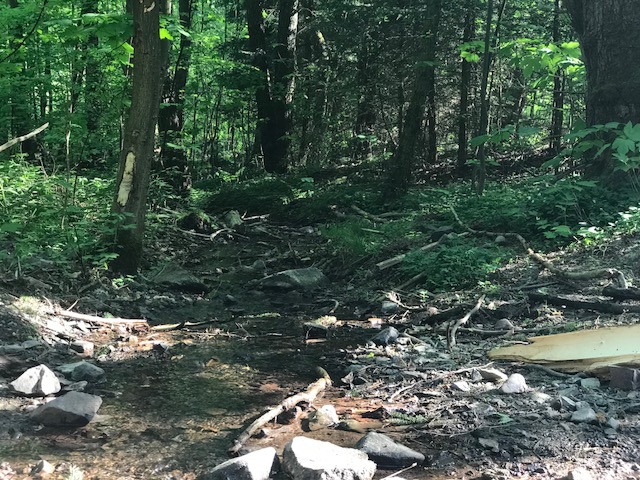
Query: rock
x=590 y=382
x=584 y=415
x=500 y=240
x=83 y=347
x=42 y=469
x=579 y=473
x=514 y=384
x=492 y=374
x=307 y=459
x=624 y=378
x=489 y=443
x=504 y=324
x=232 y=219
x=462 y=386
x=324 y=417
x=540 y=397
x=387 y=336
x=258 y=465
x=76 y=386
x=613 y=423
x=13 y=348
x=37 y=381
x=82 y=370
x=388 y=307
x=386 y=453
x=440 y=232
x=73 y=409
x=563 y=403
x=299 y=278
x=177 y=278
x=27 y=344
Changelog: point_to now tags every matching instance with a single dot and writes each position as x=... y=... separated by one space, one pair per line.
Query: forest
x=187 y=186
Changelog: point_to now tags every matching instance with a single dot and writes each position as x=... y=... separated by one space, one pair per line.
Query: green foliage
x=456 y=265
x=46 y=216
x=620 y=141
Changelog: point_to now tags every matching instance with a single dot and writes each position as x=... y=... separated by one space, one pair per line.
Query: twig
x=22 y=138
x=395 y=474
x=99 y=320
x=367 y=215
x=453 y=328
x=308 y=396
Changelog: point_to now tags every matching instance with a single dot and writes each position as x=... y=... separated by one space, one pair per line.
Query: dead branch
x=390 y=262
x=453 y=328
x=22 y=138
x=309 y=395
x=100 y=320
x=629 y=293
x=569 y=275
x=598 y=306
x=367 y=215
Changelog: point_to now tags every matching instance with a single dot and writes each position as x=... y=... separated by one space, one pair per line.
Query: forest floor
x=175 y=401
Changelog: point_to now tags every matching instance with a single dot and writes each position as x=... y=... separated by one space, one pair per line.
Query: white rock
x=492 y=374
x=325 y=416
x=579 y=473
x=590 y=382
x=307 y=459
x=514 y=384
x=256 y=465
x=38 y=381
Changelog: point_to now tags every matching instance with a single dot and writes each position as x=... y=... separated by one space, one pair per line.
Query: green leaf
x=479 y=140
x=633 y=133
x=165 y=35
x=10 y=227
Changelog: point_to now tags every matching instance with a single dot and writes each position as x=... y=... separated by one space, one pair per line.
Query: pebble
x=584 y=415
x=515 y=384
x=492 y=374
x=590 y=382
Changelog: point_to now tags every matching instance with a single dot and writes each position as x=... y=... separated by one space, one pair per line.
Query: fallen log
x=598 y=306
x=309 y=395
x=629 y=293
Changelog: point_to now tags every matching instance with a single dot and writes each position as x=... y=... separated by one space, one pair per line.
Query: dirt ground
x=173 y=411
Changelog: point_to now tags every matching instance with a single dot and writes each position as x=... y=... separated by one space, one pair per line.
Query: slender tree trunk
x=173 y=155
x=402 y=162
x=557 y=114
x=132 y=183
x=367 y=74
x=465 y=81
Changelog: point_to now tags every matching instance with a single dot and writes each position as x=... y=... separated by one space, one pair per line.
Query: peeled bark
x=132 y=183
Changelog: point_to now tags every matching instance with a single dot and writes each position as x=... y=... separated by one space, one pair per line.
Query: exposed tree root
x=605 y=307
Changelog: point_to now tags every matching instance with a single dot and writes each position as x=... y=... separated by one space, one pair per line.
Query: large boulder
x=38 y=381
x=307 y=459
x=73 y=409
x=256 y=465
x=82 y=370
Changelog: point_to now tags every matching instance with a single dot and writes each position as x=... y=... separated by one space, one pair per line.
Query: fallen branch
x=22 y=138
x=629 y=293
x=99 y=320
x=453 y=328
x=613 y=273
x=399 y=258
x=367 y=215
x=308 y=396
x=604 y=307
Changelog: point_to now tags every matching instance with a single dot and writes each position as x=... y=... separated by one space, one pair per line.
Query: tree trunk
x=367 y=73
x=465 y=82
x=610 y=42
x=402 y=163
x=557 y=114
x=173 y=156
x=132 y=183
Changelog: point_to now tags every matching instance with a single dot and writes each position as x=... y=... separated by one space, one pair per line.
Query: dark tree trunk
x=465 y=82
x=403 y=162
x=557 y=114
x=610 y=42
x=274 y=96
x=173 y=156
x=132 y=183
x=367 y=73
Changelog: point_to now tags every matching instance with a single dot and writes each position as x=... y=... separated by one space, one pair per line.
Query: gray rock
x=387 y=453
x=440 y=231
x=27 y=344
x=504 y=324
x=43 y=468
x=492 y=374
x=82 y=370
x=500 y=240
x=13 y=348
x=590 y=382
x=83 y=347
x=37 y=381
x=324 y=417
x=584 y=415
x=461 y=386
x=258 y=465
x=232 y=219
x=514 y=384
x=387 y=336
x=613 y=423
x=307 y=459
x=73 y=409
x=489 y=443
x=388 y=307
x=177 y=278
x=624 y=378
x=296 y=279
